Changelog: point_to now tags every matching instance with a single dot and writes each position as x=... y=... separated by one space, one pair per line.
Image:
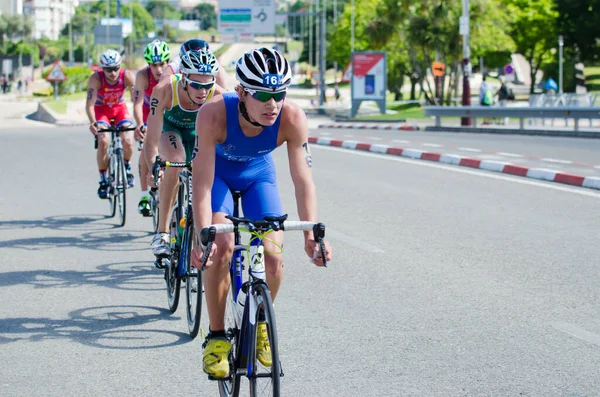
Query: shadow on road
x=132 y=276
x=107 y=327
x=97 y=235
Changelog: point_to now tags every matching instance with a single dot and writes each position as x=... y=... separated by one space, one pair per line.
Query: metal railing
x=522 y=113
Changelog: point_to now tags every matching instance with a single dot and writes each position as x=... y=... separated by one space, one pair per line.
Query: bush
x=77 y=78
x=44 y=92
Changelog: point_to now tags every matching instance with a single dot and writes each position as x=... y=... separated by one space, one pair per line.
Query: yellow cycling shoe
x=215 y=362
x=263 y=346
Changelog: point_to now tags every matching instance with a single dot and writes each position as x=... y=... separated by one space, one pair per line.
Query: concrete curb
x=516 y=131
x=361 y=126
x=46 y=115
x=43 y=114
x=487 y=165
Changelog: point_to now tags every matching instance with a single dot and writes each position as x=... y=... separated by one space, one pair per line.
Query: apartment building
x=11 y=7
x=49 y=16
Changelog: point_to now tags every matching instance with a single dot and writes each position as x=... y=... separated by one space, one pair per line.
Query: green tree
x=162 y=9
x=207 y=15
x=534 y=32
x=578 y=22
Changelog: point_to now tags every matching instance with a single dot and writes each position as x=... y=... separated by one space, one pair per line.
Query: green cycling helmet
x=157 y=51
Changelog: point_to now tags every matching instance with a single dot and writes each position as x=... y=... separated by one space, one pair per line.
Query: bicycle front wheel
x=121 y=185
x=193 y=283
x=110 y=193
x=265 y=380
x=173 y=282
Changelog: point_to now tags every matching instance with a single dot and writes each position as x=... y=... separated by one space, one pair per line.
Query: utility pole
x=131 y=35
x=561 y=43
x=70 y=16
x=352 y=28
x=310 y=35
x=107 y=22
x=322 y=66
x=464 y=31
x=335 y=66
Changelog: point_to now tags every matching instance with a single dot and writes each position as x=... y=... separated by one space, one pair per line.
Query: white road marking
x=556 y=161
x=400 y=141
x=469 y=149
x=355 y=242
x=509 y=154
x=374 y=138
x=433 y=145
x=348 y=136
x=463 y=170
x=578 y=333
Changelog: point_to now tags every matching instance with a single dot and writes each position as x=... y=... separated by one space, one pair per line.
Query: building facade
x=49 y=16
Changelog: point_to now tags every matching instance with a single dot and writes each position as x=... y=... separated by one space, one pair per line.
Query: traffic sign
x=56 y=73
x=438 y=69
x=508 y=69
x=254 y=17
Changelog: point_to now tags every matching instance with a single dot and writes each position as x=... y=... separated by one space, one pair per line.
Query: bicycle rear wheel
x=173 y=282
x=265 y=381
x=193 y=282
x=121 y=185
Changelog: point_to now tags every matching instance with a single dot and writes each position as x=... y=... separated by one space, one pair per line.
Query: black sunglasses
x=112 y=69
x=266 y=96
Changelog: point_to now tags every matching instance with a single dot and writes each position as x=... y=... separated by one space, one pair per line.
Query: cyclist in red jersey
x=106 y=101
x=158 y=55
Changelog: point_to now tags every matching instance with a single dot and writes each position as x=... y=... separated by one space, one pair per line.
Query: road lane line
x=481 y=174
x=578 y=333
x=353 y=241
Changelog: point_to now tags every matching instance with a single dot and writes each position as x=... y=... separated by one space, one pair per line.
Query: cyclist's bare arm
x=160 y=100
x=294 y=130
x=210 y=130
x=130 y=82
x=92 y=92
x=141 y=82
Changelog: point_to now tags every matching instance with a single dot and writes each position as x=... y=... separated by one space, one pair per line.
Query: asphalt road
x=445 y=282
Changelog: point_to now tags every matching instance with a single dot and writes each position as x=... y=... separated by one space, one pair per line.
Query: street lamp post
x=464 y=31
x=352 y=29
x=561 y=43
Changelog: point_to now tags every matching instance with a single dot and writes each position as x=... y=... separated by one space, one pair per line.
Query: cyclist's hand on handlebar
x=313 y=251
x=198 y=253
x=140 y=132
x=94 y=128
x=150 y=180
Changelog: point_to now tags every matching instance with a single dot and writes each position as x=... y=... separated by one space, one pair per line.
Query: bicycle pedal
x=159 y=264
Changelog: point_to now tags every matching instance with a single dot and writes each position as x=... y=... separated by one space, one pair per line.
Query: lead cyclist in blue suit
x=235 y=137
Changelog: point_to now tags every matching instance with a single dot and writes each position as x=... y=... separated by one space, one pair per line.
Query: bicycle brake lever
x=322 y=248
x=206 y=255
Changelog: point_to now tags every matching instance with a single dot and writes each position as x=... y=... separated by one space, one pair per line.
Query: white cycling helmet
x=201 y=61
x=264 y=69
x=110 y=58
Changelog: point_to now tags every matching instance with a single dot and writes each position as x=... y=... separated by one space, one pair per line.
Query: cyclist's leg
x=102 y=120
x=171 y=149
x=216 y=285
x=259 y=200
x=124 y=119
x=101 y=155
x=144 y=204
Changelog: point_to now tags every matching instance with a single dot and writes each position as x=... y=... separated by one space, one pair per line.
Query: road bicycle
x=250 y=300
x=177 y=263
x=117 y=174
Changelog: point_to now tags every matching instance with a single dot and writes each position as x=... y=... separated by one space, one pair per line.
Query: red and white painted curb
x=370 y=126
x=487 y=165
